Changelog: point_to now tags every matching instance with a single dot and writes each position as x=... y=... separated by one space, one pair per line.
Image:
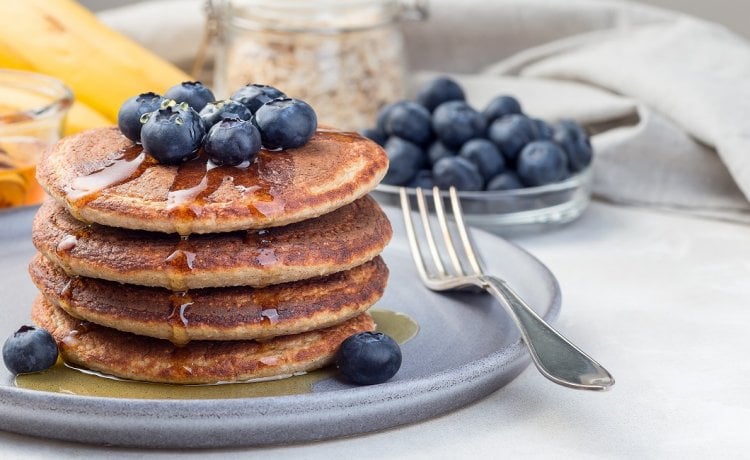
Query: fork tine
x=440 y=213
x=416 y=252
x=468 y=247
x=424 y=213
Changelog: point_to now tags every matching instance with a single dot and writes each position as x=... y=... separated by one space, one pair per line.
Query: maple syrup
x=194 y=182
x=64 y=379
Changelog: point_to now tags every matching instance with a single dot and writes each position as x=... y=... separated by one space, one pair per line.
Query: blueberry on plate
x=438 y=150
x=214 y=111
x=575 y=141
x=485 y=156
x=232 y=141
x=409 y=120
x=368 y=358
x=542 y=162
x=439 y=90
x=172 y=134
x=286 y=123
x=455 y=122
x=457 y=172
x=423 y=179
x=404 y=160
x=29 y=349
x=511 y=133
x=253 y=96
x=131 y=111
x=375 y=135
x=507 y=180
x=501 y=106
x=543 y=130
x=193 y=92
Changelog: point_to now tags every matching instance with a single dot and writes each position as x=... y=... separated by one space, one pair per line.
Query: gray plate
x=466 y=348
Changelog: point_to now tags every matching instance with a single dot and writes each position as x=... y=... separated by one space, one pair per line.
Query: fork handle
x=554 y=355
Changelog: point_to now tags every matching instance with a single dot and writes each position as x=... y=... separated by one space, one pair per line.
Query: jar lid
x=322 y=16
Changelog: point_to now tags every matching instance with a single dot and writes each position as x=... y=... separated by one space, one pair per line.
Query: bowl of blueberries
x=513 y=172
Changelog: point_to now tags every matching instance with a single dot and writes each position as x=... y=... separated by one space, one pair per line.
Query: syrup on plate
x=63 y=379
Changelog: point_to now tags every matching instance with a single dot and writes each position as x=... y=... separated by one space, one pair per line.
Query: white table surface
x=662 y=300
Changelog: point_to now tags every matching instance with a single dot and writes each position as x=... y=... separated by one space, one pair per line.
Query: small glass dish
x=512 y=212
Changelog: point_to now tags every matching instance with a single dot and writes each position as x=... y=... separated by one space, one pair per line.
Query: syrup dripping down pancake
x=337 y=241
x=102 y=177
x=142 y=358
x=237 y=313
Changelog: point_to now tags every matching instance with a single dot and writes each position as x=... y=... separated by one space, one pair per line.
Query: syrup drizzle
x=181 y=263
x=127 y=164
x=195 y=181
x=66 y=293
x=270 y=315
x=81 y=328
x=180 y=303
x=67 y=244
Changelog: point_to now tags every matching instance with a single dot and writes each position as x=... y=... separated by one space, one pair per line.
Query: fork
x=554 y=355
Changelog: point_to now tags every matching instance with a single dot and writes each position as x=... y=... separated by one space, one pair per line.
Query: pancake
x=137 y=357
x=102 y=177
x=237 y=313
x=337 y=241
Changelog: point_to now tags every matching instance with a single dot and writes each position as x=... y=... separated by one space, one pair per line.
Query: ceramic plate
x=466 y=348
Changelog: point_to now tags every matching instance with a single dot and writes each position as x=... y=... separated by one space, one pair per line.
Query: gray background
x=732 y=13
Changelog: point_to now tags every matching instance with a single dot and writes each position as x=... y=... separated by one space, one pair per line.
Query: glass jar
x=343 y=57
x=32 y=115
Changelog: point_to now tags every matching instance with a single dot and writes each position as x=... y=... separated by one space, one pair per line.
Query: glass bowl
x=510 y=212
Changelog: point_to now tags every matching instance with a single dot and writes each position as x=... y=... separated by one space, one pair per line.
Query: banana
x=63 y=39
x=82 y=117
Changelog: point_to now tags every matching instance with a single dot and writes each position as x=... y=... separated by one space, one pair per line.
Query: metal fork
x=554 y=356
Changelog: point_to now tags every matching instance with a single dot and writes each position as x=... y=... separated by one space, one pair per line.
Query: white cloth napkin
x=668 y=95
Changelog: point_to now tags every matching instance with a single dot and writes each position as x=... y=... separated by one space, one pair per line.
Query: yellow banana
x=82 y=117
x=63 y=39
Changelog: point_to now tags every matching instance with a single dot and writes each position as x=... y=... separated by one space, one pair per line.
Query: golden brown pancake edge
x=337 y=241
x=142 y=358
x=235 y=313
x=331 y=170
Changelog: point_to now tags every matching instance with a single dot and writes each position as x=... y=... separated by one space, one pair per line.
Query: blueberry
x=542 y=130
x=376 y=135
x=405 y=159
x=437 y=151
x=511 y=133
x=423 y=179
x=501 y=106
x=286 y=123
x=193 y=92
x=232 y=141
x=457 y=172
x=575 y=142
x=455 y=122
x=368 y=358
x=213 y=112
x=254 y=96
x=507 y=180
x=29 y=349
x=485 y=156
x=541 y=162
x=173 y=133
x=383 y=115
x=410 y=121
x=131 y=111
x=439 y=90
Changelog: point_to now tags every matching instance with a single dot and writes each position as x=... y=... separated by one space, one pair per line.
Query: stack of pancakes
x=200 y=273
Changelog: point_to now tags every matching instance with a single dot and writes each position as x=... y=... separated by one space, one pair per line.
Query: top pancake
x=102 y=177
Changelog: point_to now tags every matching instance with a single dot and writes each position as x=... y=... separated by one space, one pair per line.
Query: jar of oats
x=343 y=57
